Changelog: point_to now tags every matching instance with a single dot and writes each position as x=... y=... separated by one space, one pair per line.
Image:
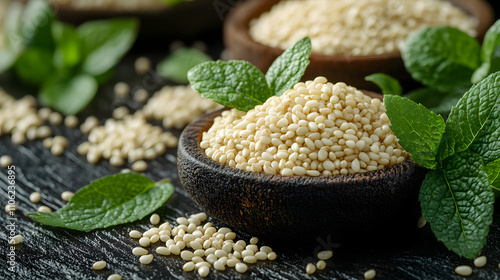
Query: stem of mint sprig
x=241 y=85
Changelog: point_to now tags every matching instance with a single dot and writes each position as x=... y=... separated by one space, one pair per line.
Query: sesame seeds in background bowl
x=316 y=192
x=364 y=38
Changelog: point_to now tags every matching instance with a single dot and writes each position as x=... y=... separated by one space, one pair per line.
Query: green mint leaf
x=176 y=66
x=13 y=45
x=68 y=51
x=37 y=21
x=105 y=42
x=474 y=123
x=441 y=57
x=493 y=171
x=457 y=201
x=386 y=83
x=109 y=201
x=34 y=66
x=418 y=129
x=289 y=67
x=235 y=83
x=68 y=95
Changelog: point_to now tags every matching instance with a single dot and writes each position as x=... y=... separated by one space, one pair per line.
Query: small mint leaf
x=235 y=83
x=386 y=83
x=68 y=95
x=289 y=67
x=418 y=129
x=474 y=123
x=109 y=201
x=457 y=201
x=441 y=57
x=176 y=66
x=105 y=42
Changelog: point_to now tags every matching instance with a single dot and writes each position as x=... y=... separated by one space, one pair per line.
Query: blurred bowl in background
x=185 y=20
x=337 y=68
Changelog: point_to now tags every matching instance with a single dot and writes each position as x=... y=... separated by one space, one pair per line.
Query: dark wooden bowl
x=339 y=68
x=274 y=205
x=189 y=19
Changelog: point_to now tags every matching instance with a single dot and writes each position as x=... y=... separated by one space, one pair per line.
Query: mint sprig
x=241 y=85
x=457 y=195
x=176 y=66
x=109 y=201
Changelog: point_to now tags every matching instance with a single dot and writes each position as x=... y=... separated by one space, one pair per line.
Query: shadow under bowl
x=338 y=68
x=276 y=206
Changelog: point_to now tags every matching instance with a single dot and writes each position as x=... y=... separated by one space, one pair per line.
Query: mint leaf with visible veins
x=109 y=201
x=235 y=83
x=418 y=129
x=457 y=201
x=241 y=85
x=289 y=67
x=441 y=57
x=474 y=123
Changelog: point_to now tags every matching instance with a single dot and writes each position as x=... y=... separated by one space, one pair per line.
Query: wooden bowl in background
x=339 y=68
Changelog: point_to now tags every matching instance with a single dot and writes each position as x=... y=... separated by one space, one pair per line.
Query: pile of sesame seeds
x=317 y=128
x=131 y=138
x=177 y=106
x=200 y=244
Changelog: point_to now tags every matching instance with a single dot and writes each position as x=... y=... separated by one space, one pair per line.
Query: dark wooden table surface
x=52 y=253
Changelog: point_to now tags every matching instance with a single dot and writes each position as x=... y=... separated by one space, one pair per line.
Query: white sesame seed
x=35 y=197
x=370 y=274
x=67 y=195
x=463 y=270
x=480 y=261
x=310 y=268
x=241 y=267
x=16 y=240
x=146 y=259
x=99 y=265
x=115 y=276
x=44 y=209
x=5 y=161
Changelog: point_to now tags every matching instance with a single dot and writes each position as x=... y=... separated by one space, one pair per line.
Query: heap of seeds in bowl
x=316 y=128
x=363 y=27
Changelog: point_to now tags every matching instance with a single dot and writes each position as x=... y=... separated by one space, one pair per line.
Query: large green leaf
x=441 y=57
x=109 y=201
x=474 y=123
x=457 y=201
x=418 y=129
x=235 y=83
x=105 y=42
x=288 y=68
